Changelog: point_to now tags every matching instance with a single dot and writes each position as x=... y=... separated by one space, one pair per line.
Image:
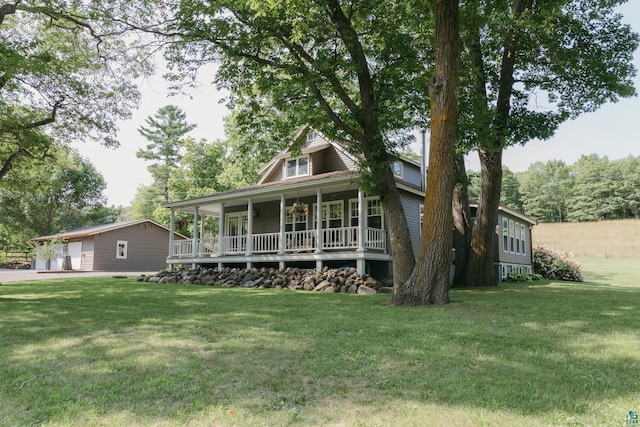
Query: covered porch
x=315 y=221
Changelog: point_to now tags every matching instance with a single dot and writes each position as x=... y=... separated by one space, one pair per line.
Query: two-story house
x=307 y=211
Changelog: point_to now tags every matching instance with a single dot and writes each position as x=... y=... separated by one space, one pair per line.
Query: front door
x=237 y=226
x=75 y=252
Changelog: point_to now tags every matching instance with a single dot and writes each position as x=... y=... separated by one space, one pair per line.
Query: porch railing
x=340 y=238
x=208 y=246
x=267 y=242
x=234 y=244
x=183 y=247
x=375 y=238
x=300 y=240
x=294 y=241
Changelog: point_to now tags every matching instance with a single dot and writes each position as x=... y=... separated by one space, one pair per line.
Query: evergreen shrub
x=523 y=277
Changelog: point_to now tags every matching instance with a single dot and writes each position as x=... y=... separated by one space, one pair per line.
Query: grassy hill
x=603 y=239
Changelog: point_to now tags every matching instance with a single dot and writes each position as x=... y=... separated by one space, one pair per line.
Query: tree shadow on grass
x=176 y=353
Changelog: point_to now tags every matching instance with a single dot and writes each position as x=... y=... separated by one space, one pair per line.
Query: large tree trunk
x=461 y=221
x=378 y=161
x=396 y=224
x=480 y=269
x=429 y=283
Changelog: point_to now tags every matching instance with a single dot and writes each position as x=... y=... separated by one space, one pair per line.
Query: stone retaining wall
x=327 y=280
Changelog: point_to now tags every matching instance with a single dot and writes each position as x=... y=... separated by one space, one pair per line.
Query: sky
x=611 y=131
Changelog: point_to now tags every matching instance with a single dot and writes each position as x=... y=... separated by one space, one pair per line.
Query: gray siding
x=276 y=174
x=268 y=219
x=147 y=249
x=411 y=205
x=336 y=161
x=411 y=175
x=318 y=162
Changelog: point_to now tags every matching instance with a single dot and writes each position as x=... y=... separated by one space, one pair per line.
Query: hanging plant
x=298 y=209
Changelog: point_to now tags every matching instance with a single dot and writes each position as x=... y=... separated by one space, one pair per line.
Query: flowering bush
x=553 y=264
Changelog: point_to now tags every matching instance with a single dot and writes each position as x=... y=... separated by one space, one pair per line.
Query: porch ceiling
x=210 y=205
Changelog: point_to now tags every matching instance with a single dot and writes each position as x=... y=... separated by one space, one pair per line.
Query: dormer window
x=311 y=136
x=397 y=169
x=298 y=167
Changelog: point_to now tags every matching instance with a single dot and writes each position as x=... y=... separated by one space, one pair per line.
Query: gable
x=316 y=155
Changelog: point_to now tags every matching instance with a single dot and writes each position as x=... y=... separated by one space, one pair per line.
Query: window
x=397 y=169
x=353 y=213
x=298 y=167
x=294 y=222
x=505 y=234
x=121 y=249
x=421 y=213
x=311 y=136
x=373 y=213
x=331 y=214
x=512 y=236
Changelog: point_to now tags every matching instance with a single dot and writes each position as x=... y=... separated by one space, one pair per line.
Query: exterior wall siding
x=411 y=175
x=411 y=205
x=337 y=161
x=317 y=159
x=278 y=172
x=268 y=219
x=147 y=249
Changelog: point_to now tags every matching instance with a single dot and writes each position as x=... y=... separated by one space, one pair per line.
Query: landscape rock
x=365 y=290
x=322 y=286
x=345 y=280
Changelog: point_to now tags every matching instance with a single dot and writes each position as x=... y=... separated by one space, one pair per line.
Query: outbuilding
x=140 y=245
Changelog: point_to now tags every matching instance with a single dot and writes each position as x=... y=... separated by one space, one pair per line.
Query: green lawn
x=116 y=352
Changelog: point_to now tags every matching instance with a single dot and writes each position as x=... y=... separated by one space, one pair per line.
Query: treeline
x=43 y=198
x=593 y=188
x=65 y=191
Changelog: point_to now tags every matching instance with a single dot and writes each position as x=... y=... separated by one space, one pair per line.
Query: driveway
x=8 y=275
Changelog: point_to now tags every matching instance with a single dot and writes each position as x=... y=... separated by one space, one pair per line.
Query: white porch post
x=172 y=226
x=196 y=217
x=249 y=227
x=362 y=219
x=221 y=230
x=283 y=214
x=318 y=221
x=203 y=220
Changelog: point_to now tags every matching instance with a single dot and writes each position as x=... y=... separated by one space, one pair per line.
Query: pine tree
x=166 y=132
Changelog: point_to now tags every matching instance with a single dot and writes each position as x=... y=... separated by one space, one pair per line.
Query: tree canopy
x=68 y=196
x=353 y=70
x=65 y=75
x=572 y=56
